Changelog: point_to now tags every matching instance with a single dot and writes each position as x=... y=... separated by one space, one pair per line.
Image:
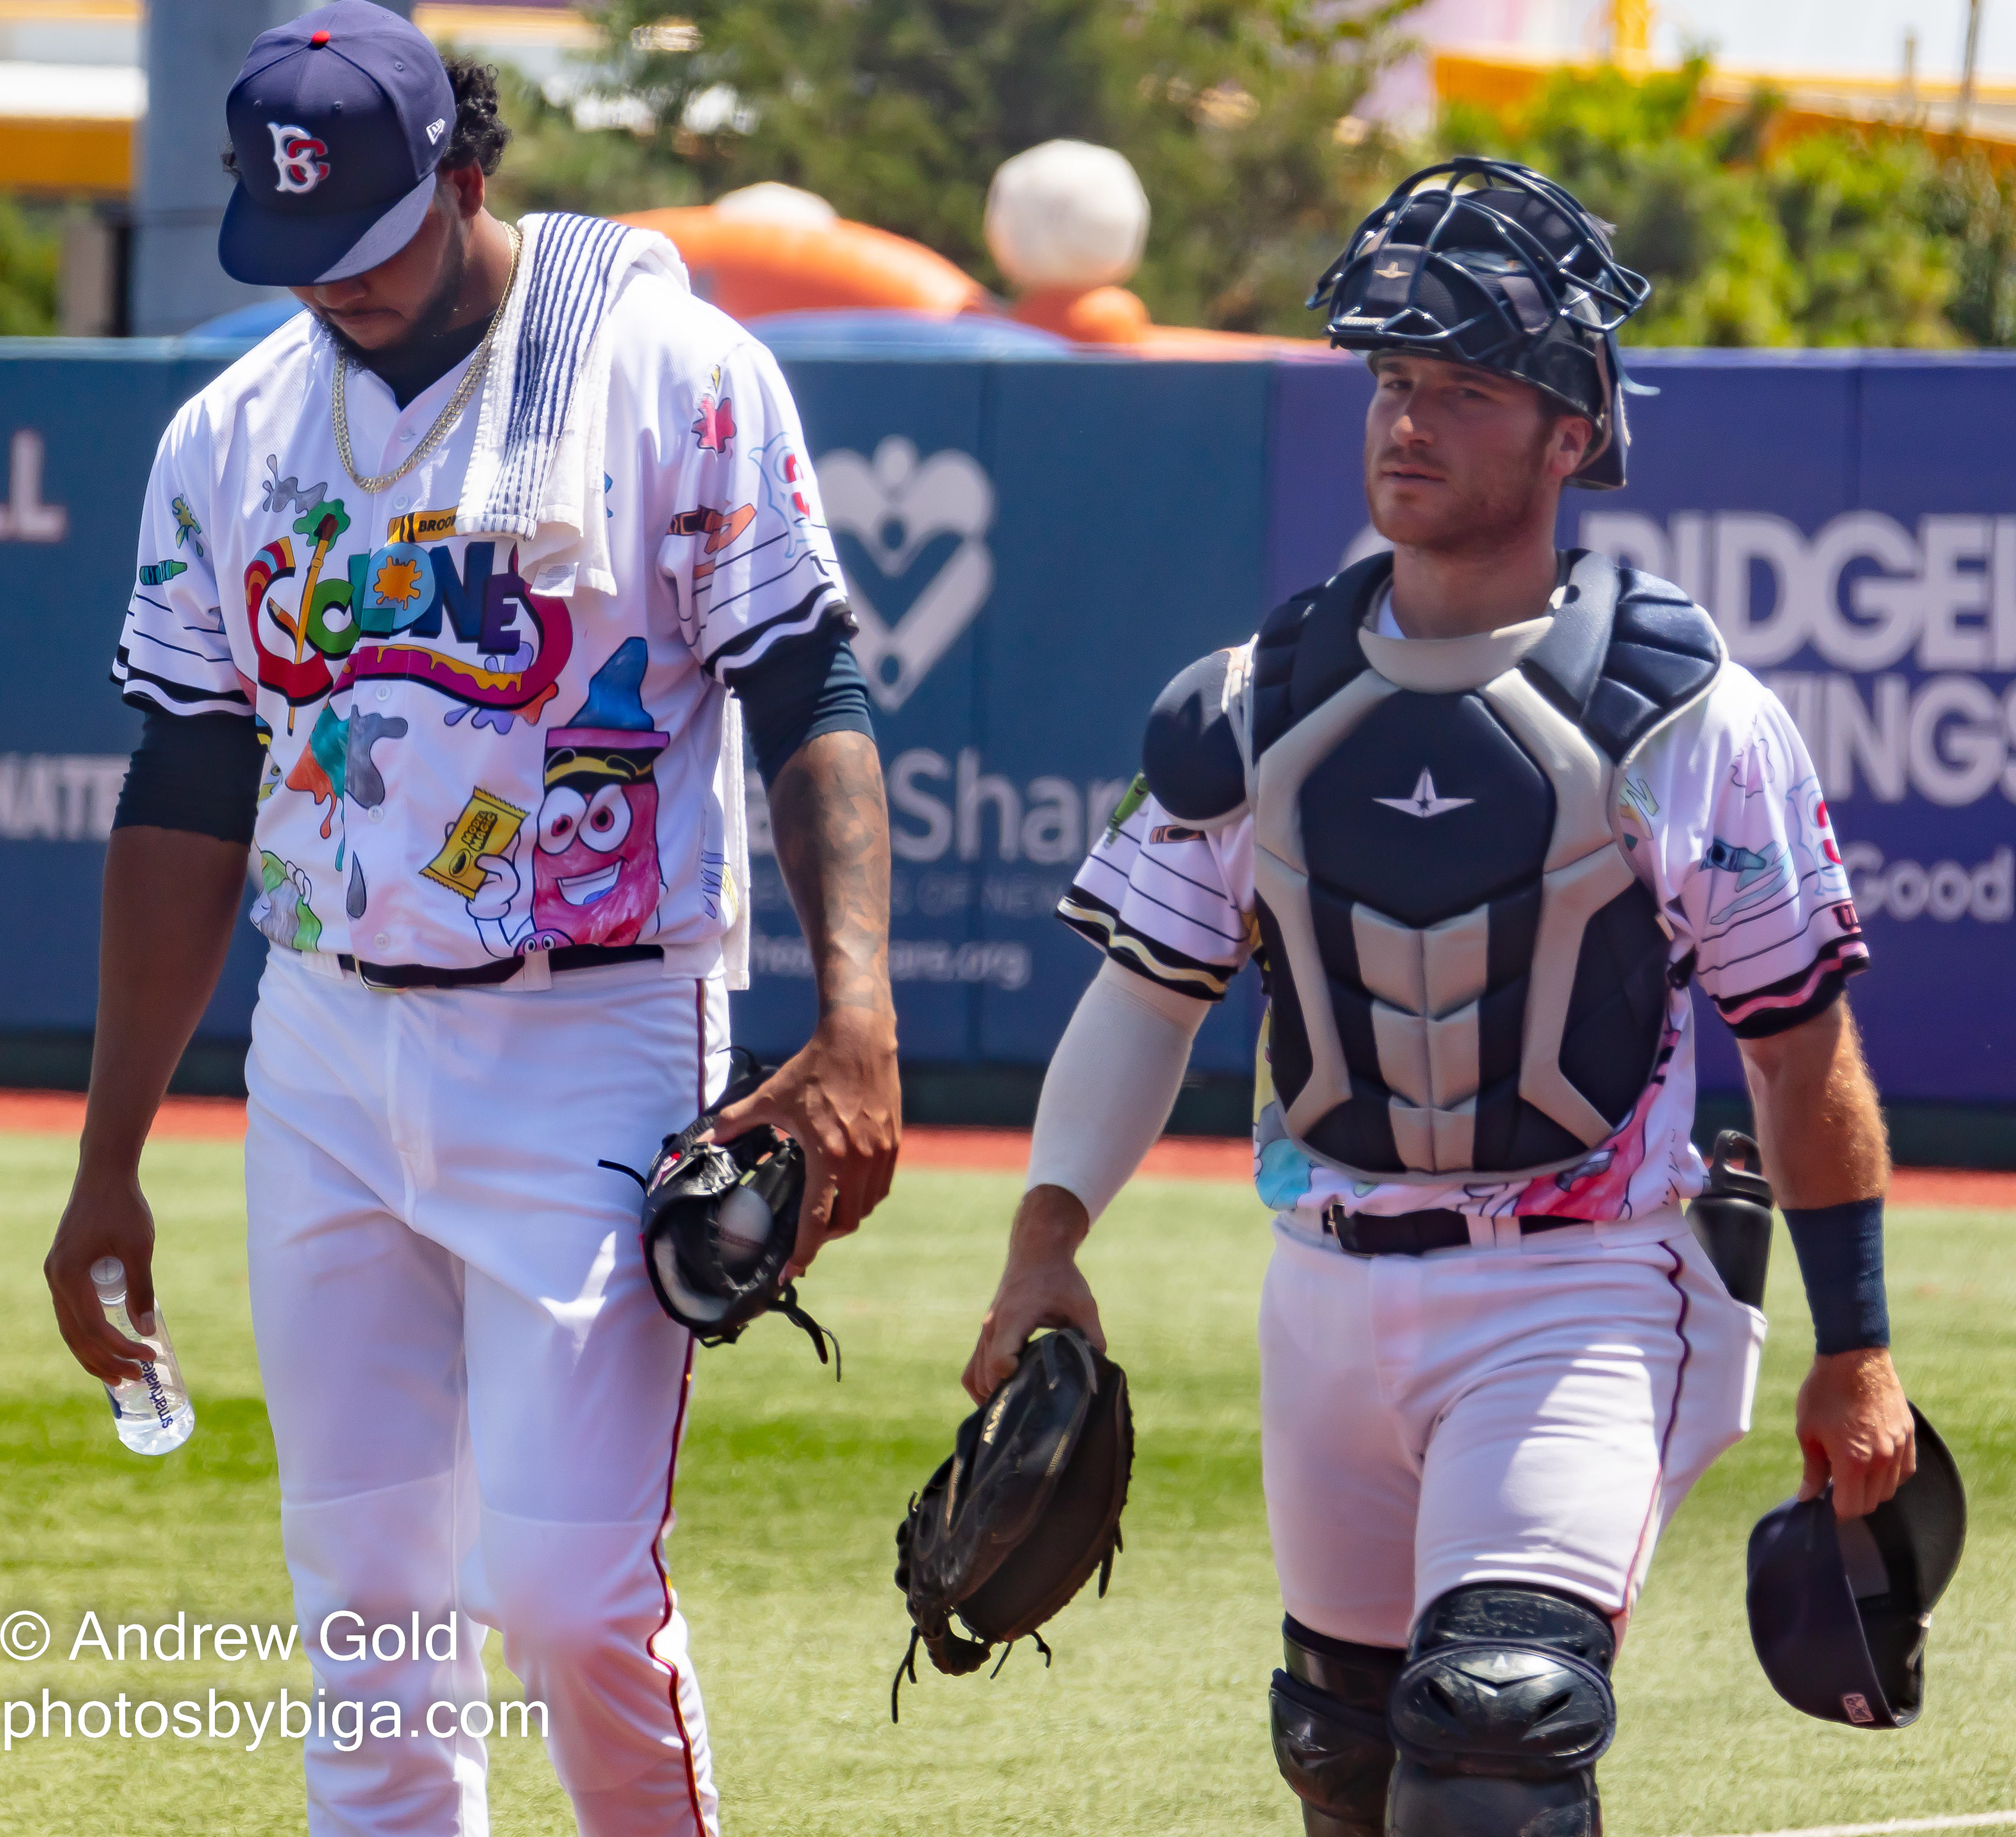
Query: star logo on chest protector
x=1424 y=801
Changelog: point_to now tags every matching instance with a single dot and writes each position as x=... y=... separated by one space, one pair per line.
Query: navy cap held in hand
x=1839 y=1610
x=338 y=119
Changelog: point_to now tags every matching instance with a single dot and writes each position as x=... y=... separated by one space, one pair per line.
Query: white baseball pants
x=1530 y=1413
x=476 y=1402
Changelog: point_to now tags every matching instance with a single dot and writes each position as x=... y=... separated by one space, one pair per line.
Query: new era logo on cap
x=435 y=130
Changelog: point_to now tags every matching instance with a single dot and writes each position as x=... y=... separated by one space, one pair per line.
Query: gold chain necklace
x=478 y=362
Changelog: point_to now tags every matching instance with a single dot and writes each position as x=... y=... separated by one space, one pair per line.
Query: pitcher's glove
x=1014 y=1524
x=720 y=1223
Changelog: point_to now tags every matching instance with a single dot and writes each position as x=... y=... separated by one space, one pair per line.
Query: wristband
x=1840 y=1249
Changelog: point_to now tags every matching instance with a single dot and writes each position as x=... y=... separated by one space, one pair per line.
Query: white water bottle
x=153 y=1412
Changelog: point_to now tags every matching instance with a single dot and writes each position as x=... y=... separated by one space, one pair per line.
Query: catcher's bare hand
x=1041 y=1287
x=107 y=1215
x=838 y=1097
x=1855 y=1427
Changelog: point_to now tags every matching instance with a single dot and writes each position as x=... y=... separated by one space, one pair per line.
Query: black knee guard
x=1500 y=1715
x=1328 y=1712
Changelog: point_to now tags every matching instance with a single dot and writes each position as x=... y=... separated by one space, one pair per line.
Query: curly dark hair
x=480 y=136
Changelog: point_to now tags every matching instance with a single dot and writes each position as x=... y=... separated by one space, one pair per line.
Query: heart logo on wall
x=895 y=505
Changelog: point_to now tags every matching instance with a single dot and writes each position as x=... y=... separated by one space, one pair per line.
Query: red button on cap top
x=318 y=38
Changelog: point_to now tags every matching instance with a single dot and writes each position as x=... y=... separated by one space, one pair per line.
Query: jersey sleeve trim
x=143 y=689
x=1786 y=1004
x=755 y=642
x=1092 y=918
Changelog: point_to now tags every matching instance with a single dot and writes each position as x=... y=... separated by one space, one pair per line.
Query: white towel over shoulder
x=541 y=430
x=537 y=469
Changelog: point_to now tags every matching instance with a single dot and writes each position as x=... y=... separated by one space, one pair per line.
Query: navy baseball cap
x=339 y=119
x=1839 y=1608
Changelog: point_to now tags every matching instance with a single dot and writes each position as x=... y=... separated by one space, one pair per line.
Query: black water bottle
x=1732 y=1218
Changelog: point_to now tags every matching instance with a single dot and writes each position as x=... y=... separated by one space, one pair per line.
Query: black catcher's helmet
x=1485 y=262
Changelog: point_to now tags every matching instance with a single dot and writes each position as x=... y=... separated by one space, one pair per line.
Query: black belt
x=1414 y=1233
x=568 y=956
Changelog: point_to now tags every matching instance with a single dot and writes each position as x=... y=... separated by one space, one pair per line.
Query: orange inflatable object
x=1114 y=316
x=1104 y=316
x=748 y=267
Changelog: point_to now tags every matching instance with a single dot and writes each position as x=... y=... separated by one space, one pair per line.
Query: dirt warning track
x=978 y=1151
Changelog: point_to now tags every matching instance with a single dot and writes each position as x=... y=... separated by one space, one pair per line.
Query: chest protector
x=1466 y=976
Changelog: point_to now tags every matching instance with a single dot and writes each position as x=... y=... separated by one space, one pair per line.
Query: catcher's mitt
x=720 y=1222
x=1013 y=1524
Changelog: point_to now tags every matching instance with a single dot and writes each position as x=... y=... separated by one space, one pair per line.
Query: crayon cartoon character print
x=594 y=846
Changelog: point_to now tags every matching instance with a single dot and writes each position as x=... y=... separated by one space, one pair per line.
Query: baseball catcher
x=1481 y=810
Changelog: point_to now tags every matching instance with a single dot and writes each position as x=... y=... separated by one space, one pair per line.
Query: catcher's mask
x=720 y=1223
x=1839 y=1608
x=1014 y=1524
x=1486 y=262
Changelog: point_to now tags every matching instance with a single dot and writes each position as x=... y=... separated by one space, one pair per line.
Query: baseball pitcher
x=442 y=591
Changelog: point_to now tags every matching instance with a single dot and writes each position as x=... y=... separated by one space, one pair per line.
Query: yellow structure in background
x=68 y=129
x=1630 y=27
x=67 y=126
x=1502 y=80
x=76 y=157
x=70 y=109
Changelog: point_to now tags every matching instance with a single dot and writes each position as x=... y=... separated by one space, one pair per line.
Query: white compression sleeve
x=1111 y=1085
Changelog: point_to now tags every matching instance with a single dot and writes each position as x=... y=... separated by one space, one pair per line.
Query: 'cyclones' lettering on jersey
x=467 y=760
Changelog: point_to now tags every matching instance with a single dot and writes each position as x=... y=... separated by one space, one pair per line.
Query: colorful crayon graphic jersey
x=1722 y=819
x=469 y=757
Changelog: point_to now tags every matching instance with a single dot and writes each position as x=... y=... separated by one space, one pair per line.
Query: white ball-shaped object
x=1067 y=214
x=745 y=1224
x=772 y=203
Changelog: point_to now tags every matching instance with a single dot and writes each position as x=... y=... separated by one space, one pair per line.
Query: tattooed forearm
x=840 y=1096
x=831 y=827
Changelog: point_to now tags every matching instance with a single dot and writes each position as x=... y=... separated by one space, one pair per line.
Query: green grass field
x=1154 y=1719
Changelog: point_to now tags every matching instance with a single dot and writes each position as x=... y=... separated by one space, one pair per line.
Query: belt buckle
x=376 y=987
x=1335 y=1221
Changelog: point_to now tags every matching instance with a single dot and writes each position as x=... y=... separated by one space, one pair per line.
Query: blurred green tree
x=899 y=111
x=1856 y=237
x=553 y=164
x=1974 y=206
x=29 y=254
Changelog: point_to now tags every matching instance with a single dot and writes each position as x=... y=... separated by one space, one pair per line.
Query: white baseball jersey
x=1723 y=820
x=465 y=764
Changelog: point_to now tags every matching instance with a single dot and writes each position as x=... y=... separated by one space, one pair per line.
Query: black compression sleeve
x=800 y=691
x=199 y=773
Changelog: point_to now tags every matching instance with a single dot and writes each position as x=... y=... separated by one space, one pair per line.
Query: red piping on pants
x=665 y=1583
x=1666 y=1438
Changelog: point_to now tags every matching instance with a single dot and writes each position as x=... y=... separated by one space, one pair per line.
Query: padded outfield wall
x=1035 y=544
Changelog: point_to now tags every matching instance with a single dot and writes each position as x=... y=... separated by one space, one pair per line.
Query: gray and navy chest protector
x=1465 y=974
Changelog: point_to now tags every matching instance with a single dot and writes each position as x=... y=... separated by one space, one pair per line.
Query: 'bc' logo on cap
x=299 y=158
